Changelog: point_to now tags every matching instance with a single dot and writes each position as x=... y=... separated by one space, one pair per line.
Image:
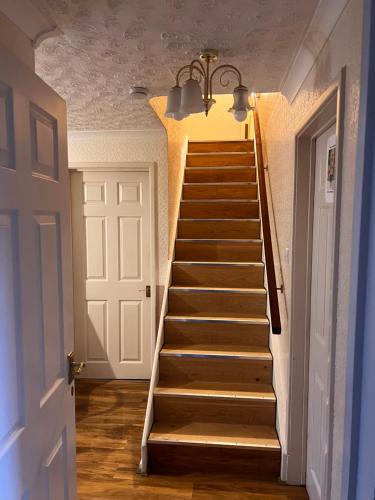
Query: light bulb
x=240 y=116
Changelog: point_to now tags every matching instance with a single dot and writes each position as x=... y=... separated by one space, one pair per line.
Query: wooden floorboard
x=110 y=417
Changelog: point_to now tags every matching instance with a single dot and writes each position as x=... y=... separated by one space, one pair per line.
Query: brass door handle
x=74 y=367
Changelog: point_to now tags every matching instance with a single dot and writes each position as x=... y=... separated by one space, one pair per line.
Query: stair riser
x=221 y=147
x=246 y=276
x=220 y=160
x=218 y=251
x=220 y=175
x=174 y=409
x=219 y=210
x=184 y=369
x=182 y=459
x=235 y=229
x=181 y=301
x=219 y=192
x=211 y=333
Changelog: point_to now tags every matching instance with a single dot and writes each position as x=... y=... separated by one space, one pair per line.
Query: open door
x=37 y=429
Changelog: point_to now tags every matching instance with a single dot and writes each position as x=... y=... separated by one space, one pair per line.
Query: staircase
x=214 y=405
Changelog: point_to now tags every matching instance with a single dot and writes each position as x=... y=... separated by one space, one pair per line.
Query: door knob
x=74 y=367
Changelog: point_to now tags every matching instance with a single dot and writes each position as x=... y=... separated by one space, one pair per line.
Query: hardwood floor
x=109 y=428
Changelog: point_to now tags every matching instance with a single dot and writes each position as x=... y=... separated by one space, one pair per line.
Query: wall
x=17 y=42
x=218 y=125
x=127 y=146
x=280 y=121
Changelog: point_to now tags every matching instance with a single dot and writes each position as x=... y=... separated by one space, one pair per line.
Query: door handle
x=74 y=367
x=147 y=290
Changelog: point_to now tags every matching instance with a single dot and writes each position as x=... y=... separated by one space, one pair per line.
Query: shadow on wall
x=218 y=125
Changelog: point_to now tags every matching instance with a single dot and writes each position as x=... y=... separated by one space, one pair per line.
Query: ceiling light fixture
x=188 y=99
x=138 y=93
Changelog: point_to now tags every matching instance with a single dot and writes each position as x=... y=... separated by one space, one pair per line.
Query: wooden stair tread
x=215 y=263
x=201 y=316
x=260 y=291
x=228 y=167
x=235 y=201
x=220 y=240
x=222 y=351
x=221 y=153
x=221 y=146
x=223 y=390
x=223 y=184
x=214 y=221
x=255 y=437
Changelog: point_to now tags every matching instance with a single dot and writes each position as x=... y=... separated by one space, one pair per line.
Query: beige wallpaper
x=176 y=137
x=280 y=122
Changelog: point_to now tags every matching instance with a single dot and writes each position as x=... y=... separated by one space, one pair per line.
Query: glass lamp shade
x=241 y=115
x=241 y=98
x=240 y=103
x=179 y=116
x=191 y=97
x=173 y=102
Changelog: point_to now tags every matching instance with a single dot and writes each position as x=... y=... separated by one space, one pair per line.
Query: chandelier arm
x=198 y=69
x=184 y=73
x=201 y=67
x=228 y=67
x=180 y=72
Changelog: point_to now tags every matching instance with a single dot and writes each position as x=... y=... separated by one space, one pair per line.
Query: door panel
x=96 y=330
x=320 y=324
x=37 y=442
x=112 y=239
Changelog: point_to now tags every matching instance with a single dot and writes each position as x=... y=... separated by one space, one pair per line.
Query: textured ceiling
x=109 y=45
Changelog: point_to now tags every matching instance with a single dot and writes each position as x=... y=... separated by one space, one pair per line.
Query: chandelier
x=189 y=99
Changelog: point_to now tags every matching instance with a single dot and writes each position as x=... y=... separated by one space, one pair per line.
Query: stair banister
x=267 y=239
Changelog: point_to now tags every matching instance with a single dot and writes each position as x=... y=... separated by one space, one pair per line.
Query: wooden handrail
x=268 y=252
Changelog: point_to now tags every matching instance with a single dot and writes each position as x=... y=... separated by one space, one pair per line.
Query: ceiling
x=109 y=45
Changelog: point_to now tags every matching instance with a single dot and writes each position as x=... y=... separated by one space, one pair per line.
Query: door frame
x=328 y=110
x=151 y=168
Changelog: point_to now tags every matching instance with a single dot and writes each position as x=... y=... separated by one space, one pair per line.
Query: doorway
x=114 y=269
x=321 y=314
x=314 y=293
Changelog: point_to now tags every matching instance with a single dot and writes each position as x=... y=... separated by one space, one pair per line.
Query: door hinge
x=148 y=291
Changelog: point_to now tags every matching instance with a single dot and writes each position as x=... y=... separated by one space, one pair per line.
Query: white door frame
x=151 y=168
x=328 y=110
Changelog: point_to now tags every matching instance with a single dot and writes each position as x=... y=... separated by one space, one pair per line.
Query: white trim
x=31 y=18
x=151 y=168
x=318 y=32
x=127 y=166
x=149 y=417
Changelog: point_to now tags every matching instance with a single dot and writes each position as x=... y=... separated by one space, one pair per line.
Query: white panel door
x=112 y=268
x=37 y=428
x=321 y=317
